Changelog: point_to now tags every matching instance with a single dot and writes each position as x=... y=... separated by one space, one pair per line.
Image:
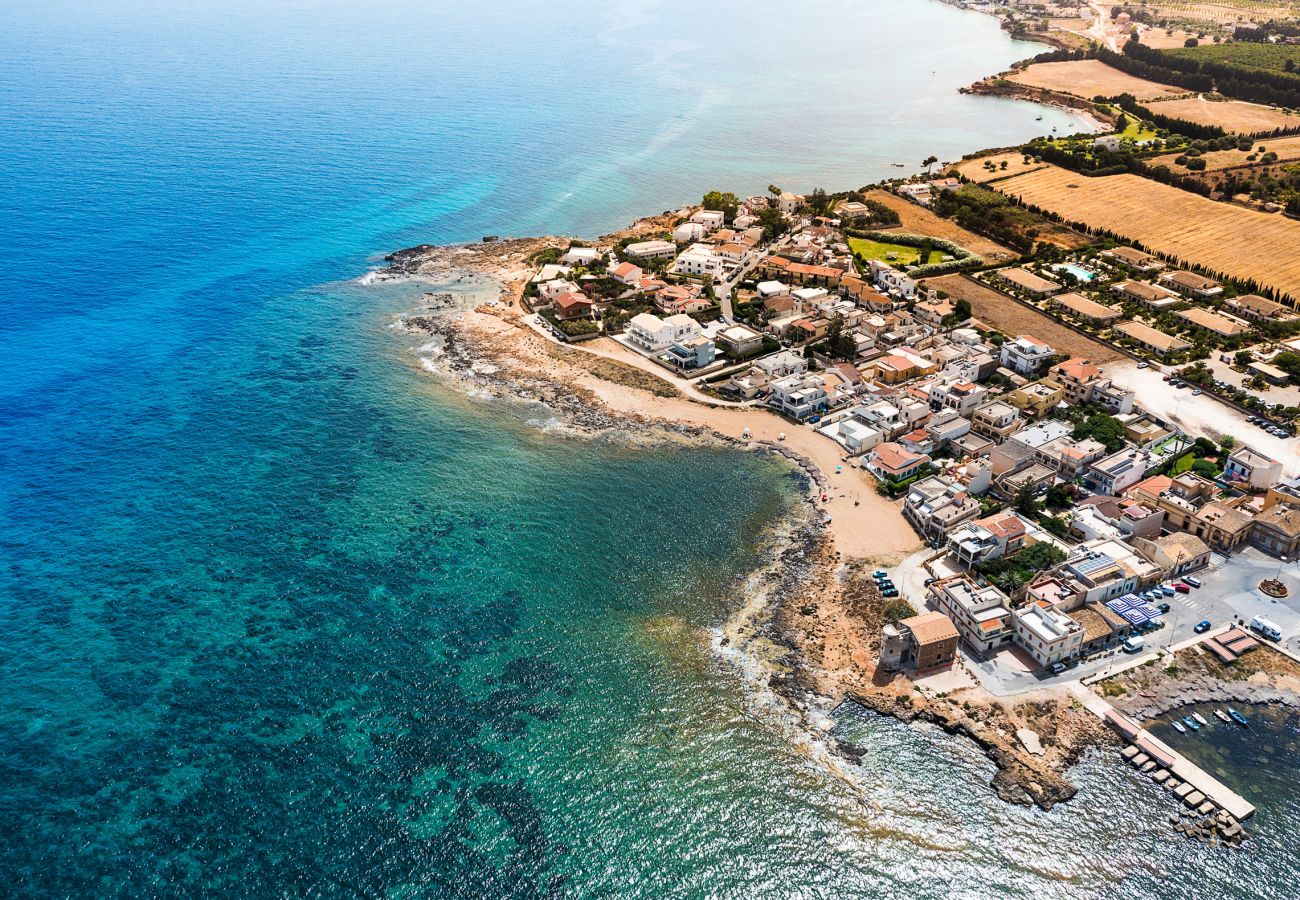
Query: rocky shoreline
x=1159 y=700
x=814 y=622
x=998 y=87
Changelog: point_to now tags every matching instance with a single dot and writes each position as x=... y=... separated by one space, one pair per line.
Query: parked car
x=1182 y=588
x=889 y=592
x=1167 y=590
x=1197 y=392
x=1194 y=582
x=880 y=573
x=1167 y=378
x=1202 y=626
x=1164 y=607
x=1143 y=365
x=813 y=420
x=1056 y=668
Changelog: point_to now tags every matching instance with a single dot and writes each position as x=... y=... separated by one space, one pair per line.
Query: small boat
x=1182 y=729
x=1038 y=118
x=1191 y=723
x=1200 y=718
x=1223 y=716
x=1238 y=718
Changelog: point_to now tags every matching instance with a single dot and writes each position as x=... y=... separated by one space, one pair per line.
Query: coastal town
x=1069 y=370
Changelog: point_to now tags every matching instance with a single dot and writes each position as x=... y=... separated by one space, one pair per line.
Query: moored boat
x=1200 y=718
x=1223 y=715
x=1191 y=723
x=1238 y=718
x=1181 y=728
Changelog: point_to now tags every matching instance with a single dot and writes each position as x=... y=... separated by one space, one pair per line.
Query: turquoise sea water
x=279 y=616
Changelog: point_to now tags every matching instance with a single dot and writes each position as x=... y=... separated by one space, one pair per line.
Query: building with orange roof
x=626 y=273
x=891 y=462
x=864 y=294
x=932 y=641
x=572 y=305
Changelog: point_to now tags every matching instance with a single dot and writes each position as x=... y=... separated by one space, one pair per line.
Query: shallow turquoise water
x=280 y=616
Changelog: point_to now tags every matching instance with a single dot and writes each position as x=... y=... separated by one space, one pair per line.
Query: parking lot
x=1229 y=594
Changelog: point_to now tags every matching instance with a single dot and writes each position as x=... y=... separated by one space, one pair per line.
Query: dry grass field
x=1226 y=238
x=1007 y=315
x=1090 y=78
x=1223 y=12
x=1230 y=115
x=975 y=170
x=1287 y=150
x=919 y=220
x=1160 y=39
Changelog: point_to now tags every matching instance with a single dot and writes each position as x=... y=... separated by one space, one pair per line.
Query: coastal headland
x=1001 y=515
x=820 y=633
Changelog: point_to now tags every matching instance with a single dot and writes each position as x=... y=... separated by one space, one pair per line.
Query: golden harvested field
x=1090 y=78
x=919 y=220
x=1230 y=115
x=1016 y=165
x=1223 y=237
x=1007 y=315
x=1287 y=150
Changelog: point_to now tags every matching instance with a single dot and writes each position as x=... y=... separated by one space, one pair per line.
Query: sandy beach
x=863 y=525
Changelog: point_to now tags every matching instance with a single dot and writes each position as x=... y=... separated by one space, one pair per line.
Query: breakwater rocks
x=1218 y=829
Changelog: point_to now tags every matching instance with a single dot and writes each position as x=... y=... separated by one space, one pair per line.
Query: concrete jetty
x=1192 y=783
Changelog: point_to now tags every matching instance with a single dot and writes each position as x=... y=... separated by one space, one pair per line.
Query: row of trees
x=1254 y=85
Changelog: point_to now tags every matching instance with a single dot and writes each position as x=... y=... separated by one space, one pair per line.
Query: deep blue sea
x=282 y=616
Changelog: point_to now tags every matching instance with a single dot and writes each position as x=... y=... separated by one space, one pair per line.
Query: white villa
x=652 y=334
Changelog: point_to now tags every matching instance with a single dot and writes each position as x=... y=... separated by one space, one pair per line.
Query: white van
x=1265 y=627
x=1133 y=644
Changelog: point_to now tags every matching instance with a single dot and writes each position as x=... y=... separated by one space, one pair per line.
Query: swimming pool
x=1078 y=272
